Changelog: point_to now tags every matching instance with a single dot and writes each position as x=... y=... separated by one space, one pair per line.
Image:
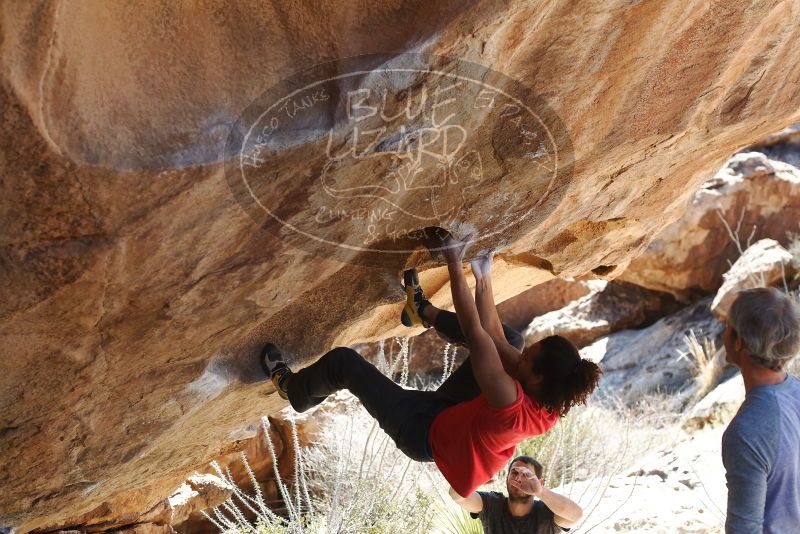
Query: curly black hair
x=568 y=378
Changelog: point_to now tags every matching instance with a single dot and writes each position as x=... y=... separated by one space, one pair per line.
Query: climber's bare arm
x=487 y=310
x=495 y=383
x=484 y=297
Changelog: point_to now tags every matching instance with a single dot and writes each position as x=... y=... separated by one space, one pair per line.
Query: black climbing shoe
x=275 y=368
x=415 y=300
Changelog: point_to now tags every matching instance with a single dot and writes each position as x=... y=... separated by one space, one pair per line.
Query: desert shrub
x=364 y=483
x=454 y=520
x=707 y=361
x=794 y=249
x=353 y=480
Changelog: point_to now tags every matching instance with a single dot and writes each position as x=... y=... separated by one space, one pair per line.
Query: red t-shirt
x=471 y=441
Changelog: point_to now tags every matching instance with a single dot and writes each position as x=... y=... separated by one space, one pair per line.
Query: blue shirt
x=761 y=454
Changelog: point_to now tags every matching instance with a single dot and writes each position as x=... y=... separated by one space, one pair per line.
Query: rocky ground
x=679 y=490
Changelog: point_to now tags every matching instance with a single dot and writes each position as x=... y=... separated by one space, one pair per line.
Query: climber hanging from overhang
x=503 y=393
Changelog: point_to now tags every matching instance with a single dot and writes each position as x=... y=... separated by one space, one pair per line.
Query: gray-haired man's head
x=763 y=325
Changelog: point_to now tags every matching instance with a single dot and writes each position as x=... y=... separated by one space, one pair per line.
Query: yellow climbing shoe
x=415 y=300
x=275 y=368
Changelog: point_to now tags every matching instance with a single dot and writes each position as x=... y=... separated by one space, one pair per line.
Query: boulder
x=678 y=488
x=199 y=492
x=140 y=275
x=763 y=264
x=518 y=312
x=718 y=407
x=637 y=363
x=617 y=306
x=782 y=146
x=752 y=197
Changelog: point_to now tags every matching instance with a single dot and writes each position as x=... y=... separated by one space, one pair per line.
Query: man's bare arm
x=472 y=503
x=566 y=512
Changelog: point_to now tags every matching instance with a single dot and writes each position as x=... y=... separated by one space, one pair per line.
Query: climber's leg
x=398 y=411
x=342 y=368
x=446 y=325
x=461 y=385
x=419 y=310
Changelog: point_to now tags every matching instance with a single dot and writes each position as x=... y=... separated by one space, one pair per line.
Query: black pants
x=405 y=415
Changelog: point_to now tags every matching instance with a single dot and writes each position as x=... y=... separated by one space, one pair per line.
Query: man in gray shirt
x=520 y=512
x=761 y=446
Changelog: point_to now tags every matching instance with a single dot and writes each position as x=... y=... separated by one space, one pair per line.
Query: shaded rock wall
x=656 y=359
x=136 y=289
x=616 y=306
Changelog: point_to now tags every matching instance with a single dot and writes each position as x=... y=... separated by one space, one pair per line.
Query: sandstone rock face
x=764 y=264
x=137 y=286
x=752 y=197
x=615 y=306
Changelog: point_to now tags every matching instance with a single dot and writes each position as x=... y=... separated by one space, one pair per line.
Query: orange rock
x=136 y=290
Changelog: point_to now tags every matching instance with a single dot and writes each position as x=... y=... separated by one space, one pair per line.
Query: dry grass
x=707 y=361
x=353 y=480
x=794 y=249
x=735 y=234
x=364 y=483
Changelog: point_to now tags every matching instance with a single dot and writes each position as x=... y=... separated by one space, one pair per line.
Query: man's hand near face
x=566 y=512
x=526 y=481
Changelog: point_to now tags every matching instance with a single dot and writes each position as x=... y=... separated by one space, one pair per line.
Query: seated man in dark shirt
x=520 y=511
